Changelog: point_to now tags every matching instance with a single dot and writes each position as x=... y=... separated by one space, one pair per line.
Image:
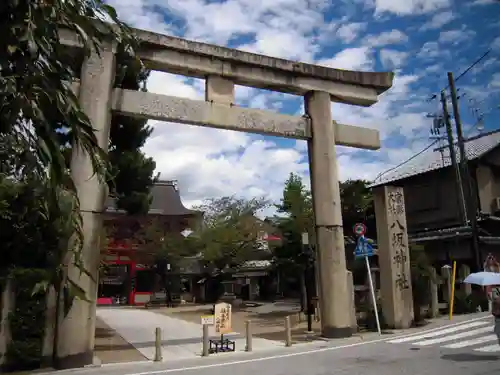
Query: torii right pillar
x=394 y=257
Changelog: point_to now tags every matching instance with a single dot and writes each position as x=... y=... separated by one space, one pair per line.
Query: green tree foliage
x=132 y=171
x=357 y=206
x=34 y=75
x=169 y=251
x=296 y=205
x=230 y=231
x=37 y=234
x=40 y=224
x=229 y=236
x=37 y=101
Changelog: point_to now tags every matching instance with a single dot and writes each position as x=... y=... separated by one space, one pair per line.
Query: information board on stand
x=223 y=325
x=223 y=318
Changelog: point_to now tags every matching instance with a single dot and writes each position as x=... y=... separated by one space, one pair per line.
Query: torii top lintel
x=194 y=59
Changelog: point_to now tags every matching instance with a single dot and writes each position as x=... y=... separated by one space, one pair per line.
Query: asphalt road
x=422 y=353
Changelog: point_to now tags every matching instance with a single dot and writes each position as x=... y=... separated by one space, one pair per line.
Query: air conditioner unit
x=496 y=204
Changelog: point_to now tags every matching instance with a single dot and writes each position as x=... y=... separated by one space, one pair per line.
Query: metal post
x=372 y=291
x=288 y=332
x=158 y=356
x=205 y=351
x=310 y=307
x=248 y=329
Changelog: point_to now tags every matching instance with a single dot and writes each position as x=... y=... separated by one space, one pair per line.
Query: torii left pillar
x=76 y=331
x=336 y=319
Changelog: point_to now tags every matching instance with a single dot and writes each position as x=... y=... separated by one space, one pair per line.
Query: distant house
x=433 y=204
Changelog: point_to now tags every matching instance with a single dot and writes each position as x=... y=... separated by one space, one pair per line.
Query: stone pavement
x=110 y=347
x=267 y=319
x=367 y=355
x=180 y=339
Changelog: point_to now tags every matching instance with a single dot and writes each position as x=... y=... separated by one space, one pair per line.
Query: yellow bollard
x=453 y=279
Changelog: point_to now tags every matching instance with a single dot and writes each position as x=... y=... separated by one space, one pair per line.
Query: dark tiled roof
x=433 y=159
x=166 y=201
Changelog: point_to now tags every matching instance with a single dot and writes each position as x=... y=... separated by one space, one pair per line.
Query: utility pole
x=453 y=156
x=471 y=198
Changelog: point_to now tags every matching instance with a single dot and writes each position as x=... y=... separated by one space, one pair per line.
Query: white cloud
x=386 y=38
x=360 y=58
x=456 y=36
x=280 y=28
x=392 y=59
x=495 y=80
x=496 y=44
x=438 y=20
x=410 y=7
x=349 y=32
x=212 y=163
x=292 y=45
x=135 y=13
x=483 y=2
x=430 y=50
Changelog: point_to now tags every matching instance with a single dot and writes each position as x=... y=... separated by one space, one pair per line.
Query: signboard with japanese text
x=223 y=319
x=364 y=248
x=393 y=256
x=208 y=320
x=398 y=236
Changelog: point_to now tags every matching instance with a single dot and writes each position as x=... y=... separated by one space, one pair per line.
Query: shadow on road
x=469 y=357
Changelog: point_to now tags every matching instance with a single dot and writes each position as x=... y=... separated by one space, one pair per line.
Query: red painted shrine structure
x=128 y=277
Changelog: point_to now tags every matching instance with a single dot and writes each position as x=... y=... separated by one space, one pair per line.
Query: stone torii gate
x=223 y=68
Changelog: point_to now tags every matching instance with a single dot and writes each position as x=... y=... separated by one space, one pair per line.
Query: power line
x=434 y=96
x=406 y=161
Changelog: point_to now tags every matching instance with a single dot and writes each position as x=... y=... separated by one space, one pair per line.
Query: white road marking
x=457 y=336
x=287 y=355
x=489 y=349
x=439 y=332
x=259 y=359
x=465 y=343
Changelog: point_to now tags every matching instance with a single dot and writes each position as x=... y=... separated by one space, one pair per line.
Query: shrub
x=26 y=321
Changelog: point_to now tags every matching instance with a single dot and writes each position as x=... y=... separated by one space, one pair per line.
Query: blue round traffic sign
x=359 y=229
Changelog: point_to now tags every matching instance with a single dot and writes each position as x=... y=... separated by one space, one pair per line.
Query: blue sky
x=420 y=40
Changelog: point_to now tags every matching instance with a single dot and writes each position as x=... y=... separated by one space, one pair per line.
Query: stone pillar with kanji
x=394 y=257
